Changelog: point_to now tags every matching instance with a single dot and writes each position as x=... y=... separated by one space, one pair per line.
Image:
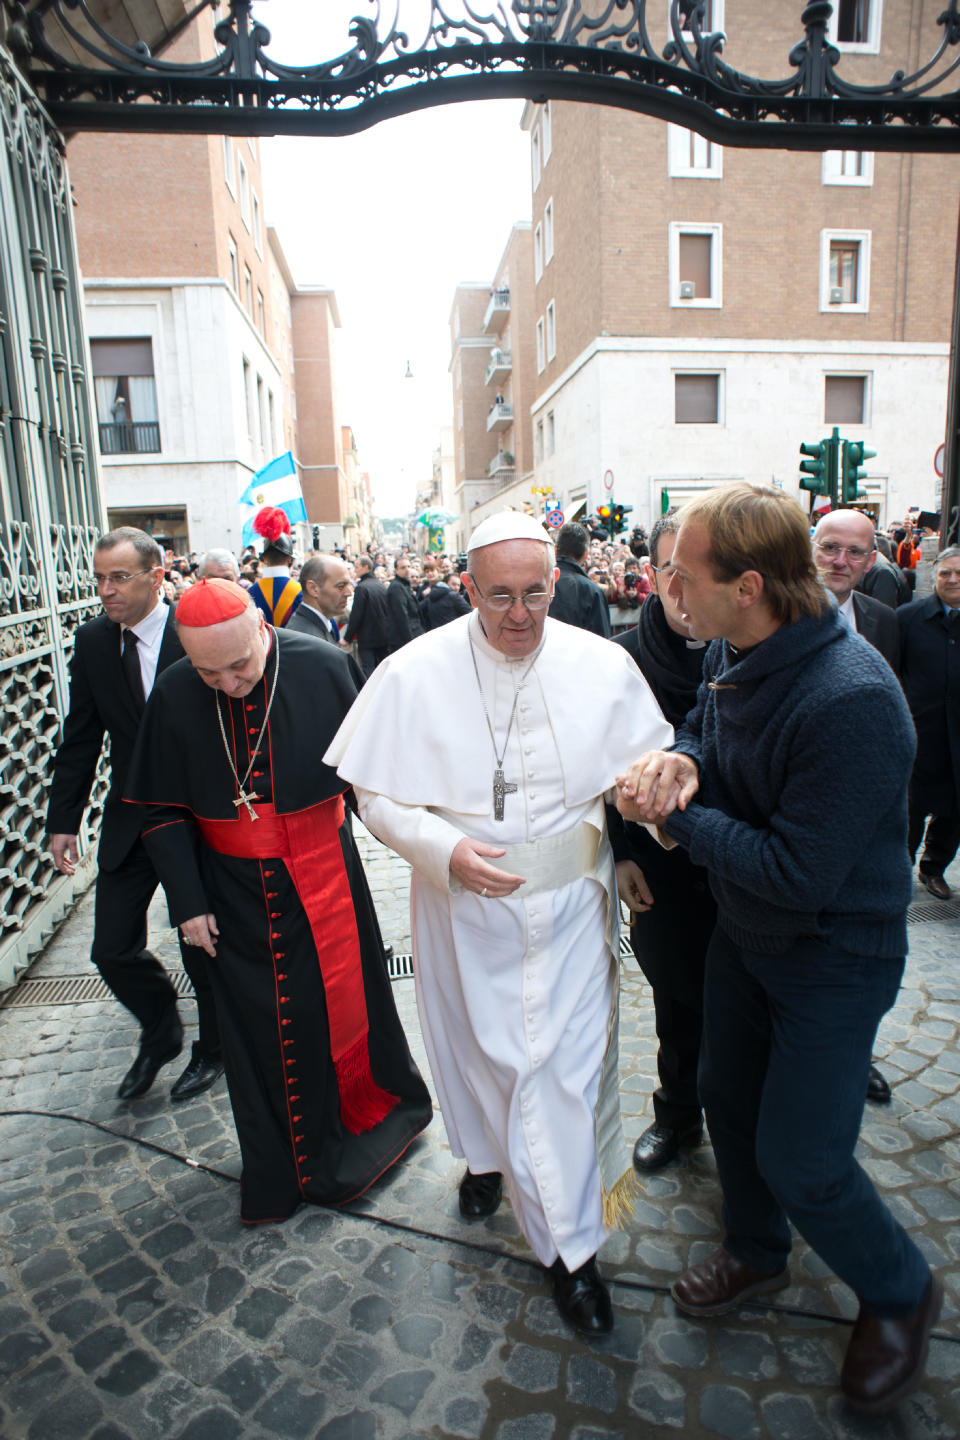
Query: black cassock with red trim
x=325 y=1093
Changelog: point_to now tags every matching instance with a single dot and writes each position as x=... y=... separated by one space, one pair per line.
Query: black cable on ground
x=646 y=1287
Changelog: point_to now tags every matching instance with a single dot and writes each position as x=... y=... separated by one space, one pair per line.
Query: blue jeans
x=786 y=1050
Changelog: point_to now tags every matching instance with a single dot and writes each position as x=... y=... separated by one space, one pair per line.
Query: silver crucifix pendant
x=501 y=788
x=247 y=800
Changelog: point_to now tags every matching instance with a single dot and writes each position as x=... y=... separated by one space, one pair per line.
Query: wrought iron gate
x=50 y=507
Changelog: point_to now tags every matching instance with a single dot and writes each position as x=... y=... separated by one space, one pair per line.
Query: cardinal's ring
x=483 y=892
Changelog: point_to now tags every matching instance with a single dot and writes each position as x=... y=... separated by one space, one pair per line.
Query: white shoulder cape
x=417 y=734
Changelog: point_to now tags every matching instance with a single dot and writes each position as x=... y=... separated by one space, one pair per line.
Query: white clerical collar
x=484 y=647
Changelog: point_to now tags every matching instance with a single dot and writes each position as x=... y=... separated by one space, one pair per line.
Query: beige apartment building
x=208 y=361
x=700 y=311
x=494 y=384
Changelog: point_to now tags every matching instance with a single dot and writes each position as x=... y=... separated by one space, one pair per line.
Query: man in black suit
x=369 y=622
x=576 y=599
x=327 y=587
x=845 y=553
x=115 y=662
x=930 y=673
x=406 y=622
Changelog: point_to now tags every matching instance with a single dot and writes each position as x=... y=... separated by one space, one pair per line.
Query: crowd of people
x=761 y=664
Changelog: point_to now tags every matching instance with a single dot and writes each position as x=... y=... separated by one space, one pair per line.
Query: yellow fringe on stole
x=619 y=1205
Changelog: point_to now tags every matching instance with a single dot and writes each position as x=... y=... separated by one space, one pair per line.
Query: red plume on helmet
x=271 y=523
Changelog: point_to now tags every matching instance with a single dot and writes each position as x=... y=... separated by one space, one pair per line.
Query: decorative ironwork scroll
x=50 y=509
x=598 y=51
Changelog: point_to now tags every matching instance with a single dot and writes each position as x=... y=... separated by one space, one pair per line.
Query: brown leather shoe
x=721 y=1283
x=886 y=1356
x=936 y=885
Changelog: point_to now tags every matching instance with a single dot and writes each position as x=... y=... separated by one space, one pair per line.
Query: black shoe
x=480 y=1194
x=877 y=1088
x=202 y=1072
x=936 y=885
x=582 y=1298
x=143 y=1071
x=660 y=1143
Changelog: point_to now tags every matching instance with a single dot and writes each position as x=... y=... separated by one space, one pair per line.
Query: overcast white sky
x=392 y=219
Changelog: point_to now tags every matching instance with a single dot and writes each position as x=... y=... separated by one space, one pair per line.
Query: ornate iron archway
x=62 y=70
x=600 y=52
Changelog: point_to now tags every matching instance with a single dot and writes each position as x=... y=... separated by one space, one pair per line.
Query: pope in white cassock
x=497 y=800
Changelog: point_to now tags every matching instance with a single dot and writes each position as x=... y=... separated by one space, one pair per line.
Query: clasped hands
x=655 y=785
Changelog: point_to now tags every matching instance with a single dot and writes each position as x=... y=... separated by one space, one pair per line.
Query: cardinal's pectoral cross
x=245 y=799
x=501 y=788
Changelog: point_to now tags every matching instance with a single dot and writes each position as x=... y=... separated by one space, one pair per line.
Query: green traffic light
x=854 y=454
x=815 y=468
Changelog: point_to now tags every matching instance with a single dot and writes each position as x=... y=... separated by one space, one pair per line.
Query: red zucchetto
x=210 y=602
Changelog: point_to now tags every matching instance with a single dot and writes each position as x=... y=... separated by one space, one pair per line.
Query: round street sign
x=938 y=460
x=608 y=481
x=554 y=518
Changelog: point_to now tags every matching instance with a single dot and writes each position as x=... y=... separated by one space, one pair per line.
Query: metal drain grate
x=924 y=912
x=400 y=967
x=75 y=989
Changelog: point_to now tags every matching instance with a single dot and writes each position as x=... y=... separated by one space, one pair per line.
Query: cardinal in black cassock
x=245 y=828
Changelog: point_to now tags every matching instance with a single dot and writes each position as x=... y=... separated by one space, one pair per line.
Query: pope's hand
x=633 y=888
x=201 y=931
x=467 y=864
x=657 y=784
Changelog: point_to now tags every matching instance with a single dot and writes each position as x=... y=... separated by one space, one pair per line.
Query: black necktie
x=130 y=661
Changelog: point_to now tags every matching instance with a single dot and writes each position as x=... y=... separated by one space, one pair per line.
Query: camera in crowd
x=638 y=542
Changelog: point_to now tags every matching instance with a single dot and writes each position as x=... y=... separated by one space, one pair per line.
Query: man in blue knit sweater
x=788 y=782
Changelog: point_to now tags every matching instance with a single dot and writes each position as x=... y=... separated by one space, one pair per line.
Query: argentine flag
x=276 y=484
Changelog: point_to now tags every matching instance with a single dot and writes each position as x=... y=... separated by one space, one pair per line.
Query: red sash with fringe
x=308 y=844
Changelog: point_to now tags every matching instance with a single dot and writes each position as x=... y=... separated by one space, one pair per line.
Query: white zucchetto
x=508 y=525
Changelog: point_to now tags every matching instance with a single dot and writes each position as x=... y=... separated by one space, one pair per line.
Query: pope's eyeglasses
x=532 y=600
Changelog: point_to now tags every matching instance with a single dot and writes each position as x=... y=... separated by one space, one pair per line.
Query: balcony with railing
x=500 y=416
x=130 y=437
x=501 y=469
x=499 y=365
x=497 y=312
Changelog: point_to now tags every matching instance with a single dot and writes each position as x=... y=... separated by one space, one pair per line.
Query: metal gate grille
x=50 y=506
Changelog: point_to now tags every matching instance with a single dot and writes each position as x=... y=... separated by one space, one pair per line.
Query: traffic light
x=814 y=471
x=854 y=454
x=822 y=467
x=604 y=515
x=617 y=517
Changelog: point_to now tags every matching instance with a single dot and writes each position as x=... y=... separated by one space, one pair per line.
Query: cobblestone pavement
x=134 y=1304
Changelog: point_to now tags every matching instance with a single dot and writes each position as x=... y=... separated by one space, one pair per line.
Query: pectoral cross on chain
x=245 y=799
x=501 y=788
